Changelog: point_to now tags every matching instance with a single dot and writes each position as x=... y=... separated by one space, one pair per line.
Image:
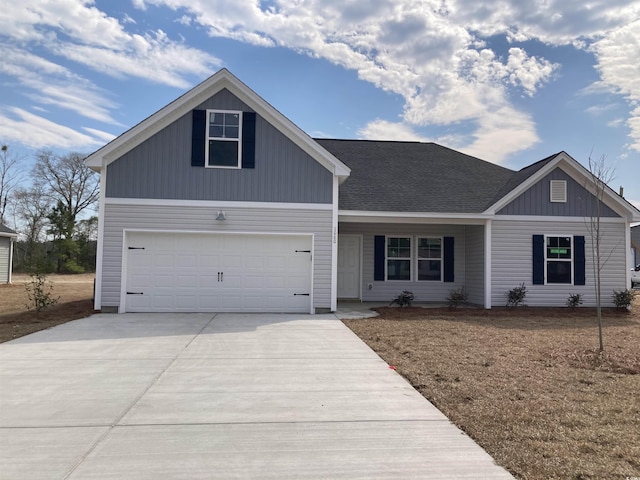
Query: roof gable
x=198 y=95
x=529 y=176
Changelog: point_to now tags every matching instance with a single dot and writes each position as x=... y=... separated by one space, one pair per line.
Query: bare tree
x=9 y=177
x=66 y=179
x=601 y=174
x=31 y=208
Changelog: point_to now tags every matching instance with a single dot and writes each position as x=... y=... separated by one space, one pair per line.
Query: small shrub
x=404 y=299
x=574 y=300
x=40 y=293
x=516 y=296
x=456 y=297
x=623 y=298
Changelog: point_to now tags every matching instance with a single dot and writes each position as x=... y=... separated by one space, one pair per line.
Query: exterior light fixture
x=220 y=217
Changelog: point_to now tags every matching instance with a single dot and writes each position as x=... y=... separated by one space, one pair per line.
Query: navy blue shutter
x=248 y=140
x=448 y=259
x=538 y=259
x=198 y=132
x=378 y=258
x=579 y=263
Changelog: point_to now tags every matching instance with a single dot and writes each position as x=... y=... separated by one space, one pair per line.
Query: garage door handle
x=135 y=293
x=221 y=276
x=303 y=251
x=301 y=294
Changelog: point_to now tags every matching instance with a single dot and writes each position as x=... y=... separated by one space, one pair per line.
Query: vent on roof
x=559 y=191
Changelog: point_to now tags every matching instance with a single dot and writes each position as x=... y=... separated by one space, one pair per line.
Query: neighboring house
x=7 y=237
x=217 y=202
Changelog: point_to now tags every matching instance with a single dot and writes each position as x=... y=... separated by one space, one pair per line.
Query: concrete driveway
x=201 y=396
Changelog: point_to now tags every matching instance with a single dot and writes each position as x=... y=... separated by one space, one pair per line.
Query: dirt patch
x=74 y=294
x=527 y=384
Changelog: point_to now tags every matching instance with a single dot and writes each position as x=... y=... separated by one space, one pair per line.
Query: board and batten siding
x=160 y=167
x=5 y=252
x=474 y=264
x=119 y=217
x=512 y=262
x=423 y=291
x=536 y=200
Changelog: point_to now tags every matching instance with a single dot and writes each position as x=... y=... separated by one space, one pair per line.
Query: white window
x=398 y=258
x=558 y=189
x=430 y=259
x=224 y=138
x=559 y=259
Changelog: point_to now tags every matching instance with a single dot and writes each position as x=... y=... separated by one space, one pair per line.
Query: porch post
x=487 y=264
x=334 y=247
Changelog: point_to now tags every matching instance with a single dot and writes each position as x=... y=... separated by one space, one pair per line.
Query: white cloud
x=384 y=130
x=79 y=31
x=99 y=134
x=18 y=125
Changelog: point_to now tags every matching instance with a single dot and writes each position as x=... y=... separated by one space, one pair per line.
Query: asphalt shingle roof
x=5 y=229
x=415 y=177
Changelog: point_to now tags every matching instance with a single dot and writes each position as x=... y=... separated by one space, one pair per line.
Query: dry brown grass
x=75 y=294
x=529 y=385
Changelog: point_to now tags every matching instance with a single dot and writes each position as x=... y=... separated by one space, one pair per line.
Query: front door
x=349 y=266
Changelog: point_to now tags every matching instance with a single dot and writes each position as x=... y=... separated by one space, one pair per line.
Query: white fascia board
x=199 y=94
x=559 y=219
x=361 y=216
x=580 y=174
x=7 y=234
x=167 y=202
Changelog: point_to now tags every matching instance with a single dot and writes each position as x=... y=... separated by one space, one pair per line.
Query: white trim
x=630 y=265
x=361 y=216
x=334 y=245
x=487 y=264
x=237 y=140
x=570 y=261
x=542 y=218
x=10 y=266
x=441 y=260
x=386 y=257
x=124 y=267
x=213 y=203
x=9 y=235
x=97 y=299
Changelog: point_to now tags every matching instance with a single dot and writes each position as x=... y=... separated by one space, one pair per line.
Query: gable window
x=430 y=259
x=558 y=259
x=224 y=139
x=558 y=191
x=398 y=258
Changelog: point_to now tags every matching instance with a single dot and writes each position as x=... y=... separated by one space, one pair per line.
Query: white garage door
x=189 y=272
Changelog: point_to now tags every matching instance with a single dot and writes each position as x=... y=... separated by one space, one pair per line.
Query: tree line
x=50 y=206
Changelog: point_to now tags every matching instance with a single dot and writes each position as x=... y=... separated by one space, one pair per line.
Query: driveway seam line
x=109 y=428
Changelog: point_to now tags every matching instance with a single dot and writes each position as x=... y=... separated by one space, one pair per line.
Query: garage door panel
x=180 y=272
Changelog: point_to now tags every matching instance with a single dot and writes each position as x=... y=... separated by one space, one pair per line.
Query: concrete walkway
x=195 y=396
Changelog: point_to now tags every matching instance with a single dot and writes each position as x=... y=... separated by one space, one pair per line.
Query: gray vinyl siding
x=182 y=218
x=161 y=167
x=474 y=263
x=512 y=262
x=536 y=200
x=5 y=248
x=385 y=291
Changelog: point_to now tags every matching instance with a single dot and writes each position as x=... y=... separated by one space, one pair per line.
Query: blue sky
x=510 y=82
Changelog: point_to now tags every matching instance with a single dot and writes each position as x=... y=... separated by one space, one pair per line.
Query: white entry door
x=201 y=272
x=348 y=266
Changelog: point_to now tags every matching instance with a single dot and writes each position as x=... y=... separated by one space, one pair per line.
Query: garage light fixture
x=220 y=217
